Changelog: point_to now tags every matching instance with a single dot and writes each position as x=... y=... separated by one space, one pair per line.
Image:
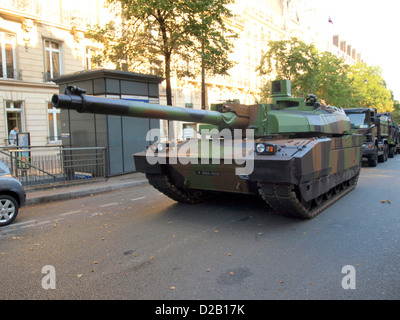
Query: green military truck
x=390 y=130
x=379 y=131
x=398 y=139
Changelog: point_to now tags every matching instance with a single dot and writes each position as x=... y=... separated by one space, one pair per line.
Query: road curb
x=70 y=194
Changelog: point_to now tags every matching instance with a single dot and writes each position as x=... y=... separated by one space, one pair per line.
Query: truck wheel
x=386 y=153
x=391 y=152
x=383 y=157
x=373 y=158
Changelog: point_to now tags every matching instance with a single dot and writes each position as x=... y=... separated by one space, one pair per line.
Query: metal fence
x=38 y=166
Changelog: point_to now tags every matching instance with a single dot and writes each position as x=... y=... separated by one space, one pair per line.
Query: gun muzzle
x=74 y=99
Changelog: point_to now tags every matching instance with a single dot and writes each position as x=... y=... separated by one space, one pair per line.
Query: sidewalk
x=74 y=190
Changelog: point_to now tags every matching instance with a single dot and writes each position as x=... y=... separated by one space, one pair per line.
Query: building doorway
x=14 y=116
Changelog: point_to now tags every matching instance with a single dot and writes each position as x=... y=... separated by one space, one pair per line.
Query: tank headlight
x=260 y=148
x=266 y=148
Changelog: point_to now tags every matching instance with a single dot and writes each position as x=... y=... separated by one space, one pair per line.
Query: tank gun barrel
x=76 y=99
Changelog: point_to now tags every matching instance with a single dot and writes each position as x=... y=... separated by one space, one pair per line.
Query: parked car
x=12 y=195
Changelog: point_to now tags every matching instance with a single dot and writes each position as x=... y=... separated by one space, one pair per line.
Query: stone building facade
x=43 y=39
x=40 y=40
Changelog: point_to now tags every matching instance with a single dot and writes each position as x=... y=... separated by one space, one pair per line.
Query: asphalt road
x=138 y=244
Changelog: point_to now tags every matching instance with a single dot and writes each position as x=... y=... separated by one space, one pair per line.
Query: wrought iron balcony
x=12 y=74
x=47 y=77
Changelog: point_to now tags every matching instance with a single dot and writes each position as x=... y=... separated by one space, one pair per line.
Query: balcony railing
x=27 y=6
x=47 y=77
x=54 y=13
x=54 y=139
x=12 y=74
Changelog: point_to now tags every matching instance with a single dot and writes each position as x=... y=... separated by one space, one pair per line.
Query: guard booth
x=121 y=136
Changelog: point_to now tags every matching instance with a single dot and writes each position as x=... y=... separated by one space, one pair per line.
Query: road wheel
x=8 y=209
x=318 y=200
x=163 y=184
x=336 y=189
x=328 y=194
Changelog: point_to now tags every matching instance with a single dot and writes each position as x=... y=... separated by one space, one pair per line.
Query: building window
x=15 y=116
x=7 y=56
x=52 y=60
x=90 y=53
x=54 y=118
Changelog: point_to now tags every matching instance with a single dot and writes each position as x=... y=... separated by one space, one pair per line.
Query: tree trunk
x=203 y=80
x=167 y=56
x=168 y=78
x=170 y=129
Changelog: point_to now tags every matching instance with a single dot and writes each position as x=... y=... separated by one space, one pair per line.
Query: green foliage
x=155 y=35
x=396 y=111
x=211 y=40
x=333 y=85
x=370 y=87
x=293 y=60
x=326 y=75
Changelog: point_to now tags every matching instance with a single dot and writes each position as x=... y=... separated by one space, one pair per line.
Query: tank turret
x=282 y=115
x=297 y=154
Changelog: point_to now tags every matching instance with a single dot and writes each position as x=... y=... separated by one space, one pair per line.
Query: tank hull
x=307 y=168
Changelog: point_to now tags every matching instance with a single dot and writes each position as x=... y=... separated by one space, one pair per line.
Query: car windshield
x=358 y=120
x=3 y=168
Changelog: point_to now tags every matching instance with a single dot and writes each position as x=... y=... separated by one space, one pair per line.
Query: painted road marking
x=69 y=213
x=138 y=198
x=35 y=223
x=21 y=223
x=109 y=205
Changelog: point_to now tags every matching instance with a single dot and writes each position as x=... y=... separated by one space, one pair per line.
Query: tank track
x=285 y=200
x=163 y=184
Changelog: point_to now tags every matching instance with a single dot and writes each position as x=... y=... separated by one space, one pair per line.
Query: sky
x=373 y=28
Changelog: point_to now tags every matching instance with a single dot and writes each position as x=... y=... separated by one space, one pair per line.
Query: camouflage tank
x=299 y=156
